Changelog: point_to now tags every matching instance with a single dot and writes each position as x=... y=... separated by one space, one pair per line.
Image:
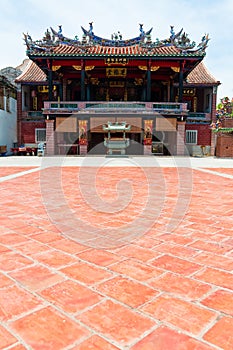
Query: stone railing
x=67 y=107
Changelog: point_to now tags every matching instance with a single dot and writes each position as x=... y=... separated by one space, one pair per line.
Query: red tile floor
x=116 y=258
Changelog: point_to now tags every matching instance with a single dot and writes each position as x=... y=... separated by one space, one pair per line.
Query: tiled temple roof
x=32 y=73
x=201 y=75
x=63 y=50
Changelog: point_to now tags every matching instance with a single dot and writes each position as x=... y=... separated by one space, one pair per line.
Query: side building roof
x=200 y=75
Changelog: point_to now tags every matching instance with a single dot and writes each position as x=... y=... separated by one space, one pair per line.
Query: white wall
x=8 y=125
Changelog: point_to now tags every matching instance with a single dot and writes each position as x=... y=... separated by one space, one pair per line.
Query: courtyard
x=116 y=253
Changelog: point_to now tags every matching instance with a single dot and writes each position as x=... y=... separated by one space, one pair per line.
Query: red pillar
x=50 y=139
x=180 y=140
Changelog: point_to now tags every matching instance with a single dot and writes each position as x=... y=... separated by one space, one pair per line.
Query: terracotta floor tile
x=5 y=281
x=99 y=257
x=214 y=260
x=180 y=285
x=85 y=273
x=31 y=247
x=133 y=251
x=47 y=237
x=177 y=265
x=6 y=338
x=4 y=249
x=36 y=277
x=71 y=297
x=217 y=277
x=116 y=322
x=55 y=258
x=14 y=301
x=136 y=269
x=164 y=338
x=127 y=291
x=176 y=250
x=95 y=343
x=18 y=347
x=221 y=334
x=220 y=300
x=12 y=239
x=47 y=329
x=10 y=261
x=210 y=247
x=187 y=316
x=68 y=246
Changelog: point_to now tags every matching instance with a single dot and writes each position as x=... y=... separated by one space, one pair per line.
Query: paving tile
x=211 y=247
x=99 y=257
x=46 y=237
x=221 y=334
x=18 y=347
x=180 y=285
x=185 y=315
x=176 y=250
x=127 y=291
x=220 y=300
x=217 y=277
x=10 y=261
x=95 y=343
x=55 y=259
x=36 y=277
x=214 y=260
x=12 y=239
x=164 y=338
x=86 y=273
x=133 y=251
x=47 y=329
x=136 y=269
x=15 y=301
x=71 y=297
x=31 y=247
x=116 y=322
x=68 y=246
x=177 y=265
x=6 y=338
x=5 y=281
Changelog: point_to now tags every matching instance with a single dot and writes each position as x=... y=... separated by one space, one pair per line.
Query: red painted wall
x=203 y=133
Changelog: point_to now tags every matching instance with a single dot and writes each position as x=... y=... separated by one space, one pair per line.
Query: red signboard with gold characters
x=148 y=126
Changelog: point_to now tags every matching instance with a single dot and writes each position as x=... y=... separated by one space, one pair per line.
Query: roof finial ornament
x=91 y=28
x=141 y=30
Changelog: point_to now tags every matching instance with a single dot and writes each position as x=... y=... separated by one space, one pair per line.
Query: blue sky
x=195 y=17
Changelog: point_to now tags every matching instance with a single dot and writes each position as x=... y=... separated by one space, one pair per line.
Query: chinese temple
x=161 y=89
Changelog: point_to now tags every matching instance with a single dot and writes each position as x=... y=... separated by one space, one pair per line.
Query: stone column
x=50 y=138
x=180 y=140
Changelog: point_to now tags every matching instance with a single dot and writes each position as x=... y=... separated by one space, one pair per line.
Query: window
x=191 y=137
x=40 y=135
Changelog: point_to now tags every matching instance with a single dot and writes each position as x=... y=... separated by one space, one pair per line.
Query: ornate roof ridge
x=52 y=39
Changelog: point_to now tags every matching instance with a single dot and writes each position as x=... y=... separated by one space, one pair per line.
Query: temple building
x=161 y=90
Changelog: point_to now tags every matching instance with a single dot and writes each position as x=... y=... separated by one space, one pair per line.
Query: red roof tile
x=201 y=75
x=98 y=50
x=32 y=73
